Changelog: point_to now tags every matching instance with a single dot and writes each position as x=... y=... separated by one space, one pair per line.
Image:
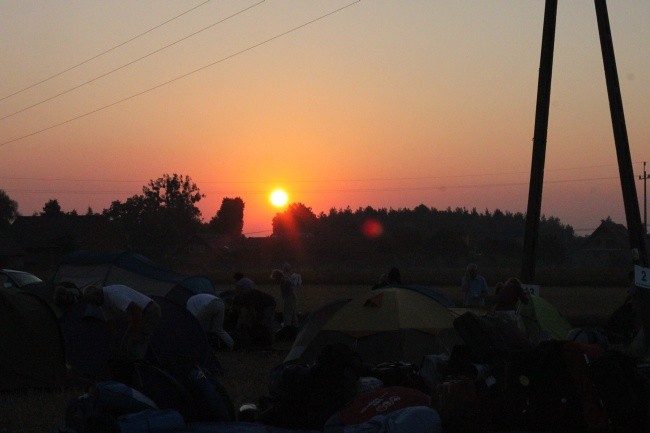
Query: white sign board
x=531 y=289
x=642 y=277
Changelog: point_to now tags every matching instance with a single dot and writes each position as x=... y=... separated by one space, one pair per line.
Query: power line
x=369 y=179
x=223 y=59
x=103 y=52
x=324 y=191
x=129 y=63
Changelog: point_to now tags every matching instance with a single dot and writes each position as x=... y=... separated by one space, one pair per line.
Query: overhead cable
x=129 y=63
x=223 y=59
x=103 y=52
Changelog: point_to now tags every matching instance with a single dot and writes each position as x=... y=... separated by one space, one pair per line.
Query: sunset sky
x=388 y=104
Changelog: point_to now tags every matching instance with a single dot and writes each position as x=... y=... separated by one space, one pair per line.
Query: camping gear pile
x=494 y=378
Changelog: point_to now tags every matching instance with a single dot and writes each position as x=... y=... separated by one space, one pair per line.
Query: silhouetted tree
x=229 y=219
x=51 y=208
x=297 y=219
x=162 y=216
x=8 y=210
x=555 y=240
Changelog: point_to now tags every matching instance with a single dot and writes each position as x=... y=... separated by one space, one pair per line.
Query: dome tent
x=383 y=325
x=85 y=267
x=31 y=345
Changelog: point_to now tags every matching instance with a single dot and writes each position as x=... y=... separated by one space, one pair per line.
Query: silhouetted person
x=210 y=312
x=120 y=302
x=391 y=278
x=255 y=320
x=288 y=283
x=474 y=287
x=510 y=294
x=242 y=283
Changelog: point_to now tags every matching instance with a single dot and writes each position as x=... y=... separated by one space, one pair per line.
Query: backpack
x=150 y=421
x=624 y=392
x=304 y=397
x=210 y=397
x=97 y=410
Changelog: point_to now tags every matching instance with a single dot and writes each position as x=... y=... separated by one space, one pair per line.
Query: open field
x=246 y=373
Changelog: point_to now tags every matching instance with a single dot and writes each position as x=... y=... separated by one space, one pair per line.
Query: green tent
x=386 y=325
x=543 y=321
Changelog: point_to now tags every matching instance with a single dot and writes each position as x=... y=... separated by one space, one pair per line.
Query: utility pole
x=630 y=199
x=539 y=143
x=644 y=178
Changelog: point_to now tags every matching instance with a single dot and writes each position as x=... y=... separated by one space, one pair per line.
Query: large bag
x=164 y=388
x=211 y=399
x=483 y=338
x=399 y=374
x=623 y=391
x=509 y=327
x=97 y=410
x=150 y=421
x=620 y=325
x=318 y=393
x=563 y=396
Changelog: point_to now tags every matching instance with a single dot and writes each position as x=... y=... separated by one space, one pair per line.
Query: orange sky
x=383 y=103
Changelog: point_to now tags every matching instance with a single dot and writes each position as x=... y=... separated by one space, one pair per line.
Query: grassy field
x=246 y=372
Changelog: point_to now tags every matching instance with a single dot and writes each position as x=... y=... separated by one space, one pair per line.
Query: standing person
x=509 y=296
x=394 y=276
x=288 y=283
x=120 y=302
x=242 y=283
x=474 y=287
x=639 y=298
x=391 y=278
x=210 y=310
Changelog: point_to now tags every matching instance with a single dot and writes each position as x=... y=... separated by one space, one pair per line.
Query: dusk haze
x=388 y=104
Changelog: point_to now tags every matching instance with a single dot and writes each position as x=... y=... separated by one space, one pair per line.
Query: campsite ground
x=246 y=372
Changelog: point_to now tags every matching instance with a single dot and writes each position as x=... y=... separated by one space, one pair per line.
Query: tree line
x=165 y=214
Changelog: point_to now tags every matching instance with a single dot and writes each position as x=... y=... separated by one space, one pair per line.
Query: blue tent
x=86 y=267
x=178 y=340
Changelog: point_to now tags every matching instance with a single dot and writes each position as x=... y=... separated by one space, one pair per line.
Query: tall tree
x=229 y=219
x=8 y=210
x=161 y=217
x=297 y=219
x=51 y=208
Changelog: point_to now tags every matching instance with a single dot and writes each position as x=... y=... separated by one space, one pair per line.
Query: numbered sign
x=531 y=289
x=642 y=277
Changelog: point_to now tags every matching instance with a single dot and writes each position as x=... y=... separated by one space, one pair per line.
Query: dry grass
x=246 y=372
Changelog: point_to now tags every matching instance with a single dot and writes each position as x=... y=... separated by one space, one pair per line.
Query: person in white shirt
x=209 y=310
x=120 y=302
x=289 y=282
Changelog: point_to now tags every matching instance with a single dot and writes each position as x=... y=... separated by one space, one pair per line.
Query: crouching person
x=120 y=302
x=255 y=318
x=210 y=310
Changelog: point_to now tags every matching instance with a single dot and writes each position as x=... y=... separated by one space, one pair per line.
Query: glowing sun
x=279 y=198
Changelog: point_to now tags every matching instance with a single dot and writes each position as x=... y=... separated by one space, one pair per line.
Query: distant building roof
x=609 y=236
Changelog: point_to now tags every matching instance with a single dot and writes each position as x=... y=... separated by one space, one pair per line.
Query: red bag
x=381 y=402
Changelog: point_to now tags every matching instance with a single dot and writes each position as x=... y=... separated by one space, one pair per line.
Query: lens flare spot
x=372 y=228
